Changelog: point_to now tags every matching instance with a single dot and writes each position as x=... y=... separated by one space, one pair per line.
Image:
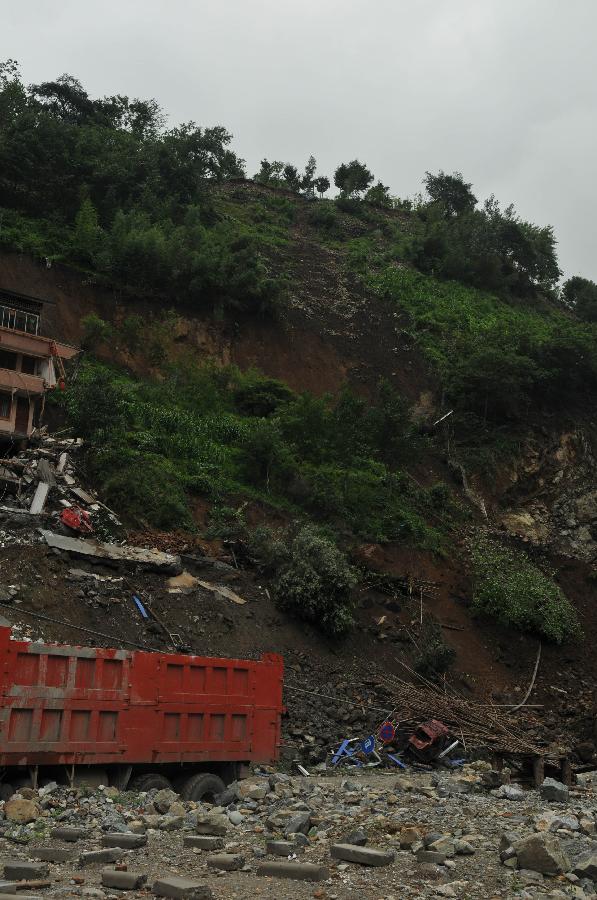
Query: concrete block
x=52 y=854
x=7 y=896
x=203 y=842
x=181 y=888
x=126 y=840
x=280 y=848
x=109 y=855
x=68 y=833
x=123 y=881
x=298 y=871
x=20 y=869
x=365 y=856
x=227 y=862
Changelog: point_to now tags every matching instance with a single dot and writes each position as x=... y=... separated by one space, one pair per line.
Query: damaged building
x=30 y=364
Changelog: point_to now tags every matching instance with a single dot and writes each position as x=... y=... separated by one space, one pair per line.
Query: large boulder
x=18 y=809
x=554 y=790
x=542 y=853
x=164 y=799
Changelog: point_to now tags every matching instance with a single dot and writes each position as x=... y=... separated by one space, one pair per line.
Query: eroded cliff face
x=551 y=493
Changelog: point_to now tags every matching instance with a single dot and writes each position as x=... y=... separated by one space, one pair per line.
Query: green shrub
x=95 y=332
x=315 y=583
x=323 y=216
x=511 y=589
x=435 y=657
x=260 y=396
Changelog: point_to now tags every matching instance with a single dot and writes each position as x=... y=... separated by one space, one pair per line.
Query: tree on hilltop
x=352 y=178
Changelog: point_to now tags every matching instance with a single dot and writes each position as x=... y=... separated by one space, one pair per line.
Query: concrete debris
x=41 y=481
x=116 y=553
x=223 y=591
x=424 y=837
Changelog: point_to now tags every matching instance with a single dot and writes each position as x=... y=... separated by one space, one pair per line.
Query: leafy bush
x=435 y=657
x=495 y=358
x=324 y=216
x=511 y=589
x=315 y=583
x=222 y=432
x=261 y=396
x=95 y=332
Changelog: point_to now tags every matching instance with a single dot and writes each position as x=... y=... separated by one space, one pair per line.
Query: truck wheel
x=149 y=782
x=202 y=787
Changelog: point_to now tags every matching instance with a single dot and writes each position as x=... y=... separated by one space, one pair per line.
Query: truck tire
x=202 y=787
x=151 y=781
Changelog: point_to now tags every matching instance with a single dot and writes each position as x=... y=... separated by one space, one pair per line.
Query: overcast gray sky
x=502 y=90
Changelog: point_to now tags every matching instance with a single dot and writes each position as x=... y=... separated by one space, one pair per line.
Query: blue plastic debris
x=345 y=750
x=368 y=745
x=140 y=607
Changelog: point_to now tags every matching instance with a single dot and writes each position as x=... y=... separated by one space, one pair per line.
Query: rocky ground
x=420 y=835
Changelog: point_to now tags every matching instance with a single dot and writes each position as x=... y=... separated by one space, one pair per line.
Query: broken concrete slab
x=123 y=881
x=20 y=869
x=223 y=591
x=109 y=855
x=226 y=862
x=181 y=888
x=365 y=856
x=203 y=842
x=39 y=498
x=82 y=495
x=298 y=871
x=151 y=559
x=128 y=841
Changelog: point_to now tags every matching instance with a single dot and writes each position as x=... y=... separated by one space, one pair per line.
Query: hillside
x=262 y=382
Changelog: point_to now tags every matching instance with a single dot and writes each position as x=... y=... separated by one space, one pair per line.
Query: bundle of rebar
x=476 y=725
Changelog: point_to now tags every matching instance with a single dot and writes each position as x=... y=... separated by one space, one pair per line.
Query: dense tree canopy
x=352 y=178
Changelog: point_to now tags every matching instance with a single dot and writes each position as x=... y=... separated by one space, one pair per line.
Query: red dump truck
x=135 y=720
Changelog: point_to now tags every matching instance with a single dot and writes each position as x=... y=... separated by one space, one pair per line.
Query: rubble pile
x=422 y=835
x=39 y=484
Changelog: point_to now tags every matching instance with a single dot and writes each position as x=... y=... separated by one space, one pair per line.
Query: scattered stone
x=178 y=888
x=586 y=867
x=299 y=823
x=298 y=871
x=554 y=790
x=126 y=841
x=203 y=842
x=408 y=836
x=357 y=838
x=109 y=855
x=227 y=862
x=215 y=824
x=20 y=869
x=280 y=848
x=123 y=881
x=542 y=853
x=164 y=799
x=365 y=856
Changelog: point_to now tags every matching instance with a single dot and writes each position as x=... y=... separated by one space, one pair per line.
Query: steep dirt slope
x=331 y=333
